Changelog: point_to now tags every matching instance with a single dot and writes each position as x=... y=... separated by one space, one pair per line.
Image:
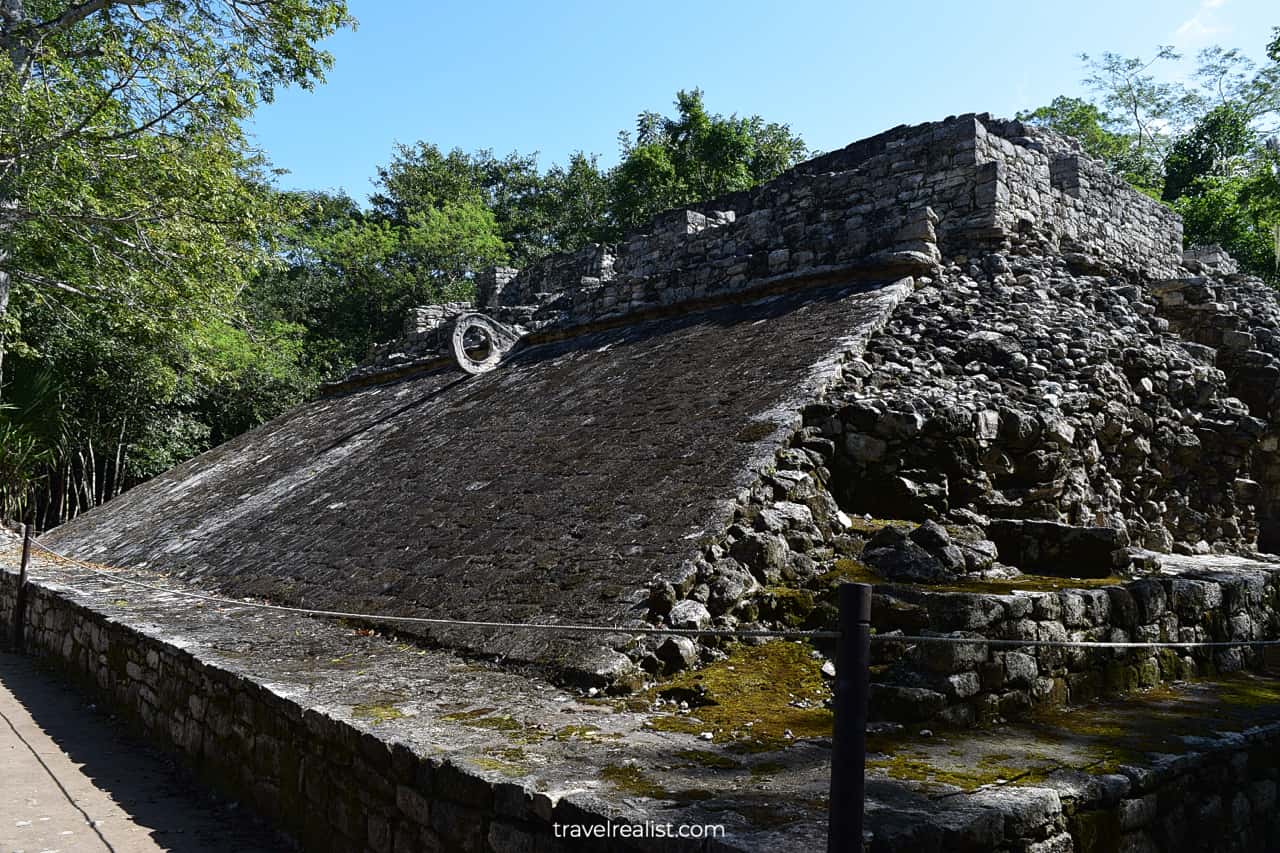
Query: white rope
x=1070 y=644
x=686 y=632
x=453 y=623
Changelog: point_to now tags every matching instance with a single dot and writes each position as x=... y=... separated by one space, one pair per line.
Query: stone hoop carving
x=480 y=342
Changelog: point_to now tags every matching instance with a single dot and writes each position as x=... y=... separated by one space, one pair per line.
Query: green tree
x=1100 y=135
x=349 y=274
x=422 y=178
x=1239 y=211
x=1211 y=148
x=133 y=212
x=695 y=156
x=574 y=204
x=1202 y=147
x=122 y=160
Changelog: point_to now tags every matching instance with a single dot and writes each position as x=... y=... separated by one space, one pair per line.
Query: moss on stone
x=751 y=696
x=755 y=431
x=892 y=759
x=632 y=780
x=786 y=604
x=1098 y=738
x=484 y=718
x=868 y=526
x=1097 y=831
x=1249 y=691
x=1029 y=583
x=377 y=713
x=769 y=816
x=509 y=761
x=590 y=734
x=790 y=592
x=847 y=570
x=767 y=768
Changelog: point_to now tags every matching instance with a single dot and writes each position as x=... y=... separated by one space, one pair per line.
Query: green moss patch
x=509 y=761
x=1250 y=691
x=1097 y=738
x=969 y=777
x=1029 y=583
x=754 y=697
x=848 y=570
x=483 y=718
x=377 y=713
x=870 y=526
x=634 y=781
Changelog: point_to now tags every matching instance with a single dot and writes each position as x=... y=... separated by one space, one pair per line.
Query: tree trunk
x=4 y=309
x=117 y=480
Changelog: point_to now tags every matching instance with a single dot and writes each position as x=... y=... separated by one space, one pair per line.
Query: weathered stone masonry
x=961 y=684
x=894 y=203
x=908 y=196
x=339 y=788
x=967 y=326
x=313 y=774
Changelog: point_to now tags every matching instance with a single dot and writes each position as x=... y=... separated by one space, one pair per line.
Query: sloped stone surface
x=550 y=490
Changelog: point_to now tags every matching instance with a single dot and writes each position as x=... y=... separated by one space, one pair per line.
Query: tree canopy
x=1205 y=147
x=693 y=156
x=133 y=212
x=437 y=217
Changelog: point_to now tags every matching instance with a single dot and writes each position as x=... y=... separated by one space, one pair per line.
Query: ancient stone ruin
x=958 y=360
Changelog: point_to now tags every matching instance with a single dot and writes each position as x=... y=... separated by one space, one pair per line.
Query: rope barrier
x=571 y=628
x=1072 y=644
x=568 y=628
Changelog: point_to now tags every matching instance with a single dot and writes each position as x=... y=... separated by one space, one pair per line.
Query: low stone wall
x=331 y=785
x=1218 y=800
x=962 y=684
x=339 y=788
x=1220 y=797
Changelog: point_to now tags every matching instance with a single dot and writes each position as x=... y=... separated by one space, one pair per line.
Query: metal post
x=849 y=740
x=20 y=605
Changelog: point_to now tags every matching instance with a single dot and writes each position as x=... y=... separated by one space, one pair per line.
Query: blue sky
x=555 y=77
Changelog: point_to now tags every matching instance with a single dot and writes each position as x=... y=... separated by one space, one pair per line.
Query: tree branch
x=77 y=13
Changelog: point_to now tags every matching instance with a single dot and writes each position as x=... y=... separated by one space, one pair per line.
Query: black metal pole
x=20 y=604
x=849 y=740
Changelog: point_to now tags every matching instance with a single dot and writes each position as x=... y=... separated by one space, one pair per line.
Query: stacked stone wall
x=1220 y=799
x=1233 y=321
x=905 y=197
x=963 y=684
x=1040 y=185
x=1212 y=801
x=339 y=788
x=331 y=785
